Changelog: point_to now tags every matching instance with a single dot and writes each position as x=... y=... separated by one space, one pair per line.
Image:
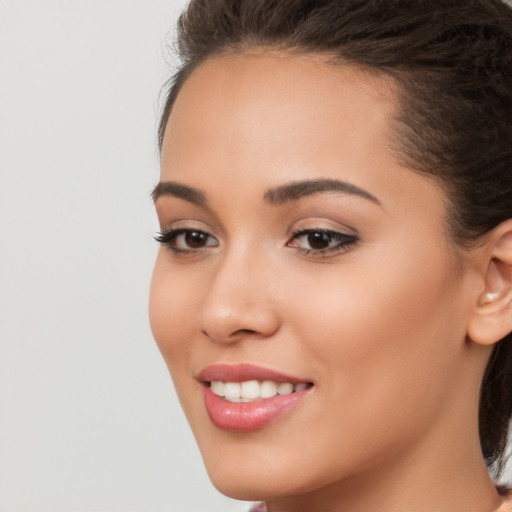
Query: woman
x=333 y=292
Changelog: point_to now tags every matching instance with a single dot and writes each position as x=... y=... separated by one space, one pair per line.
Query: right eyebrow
x=172 y=189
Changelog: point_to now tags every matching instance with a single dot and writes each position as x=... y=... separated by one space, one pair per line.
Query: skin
x=381 y=327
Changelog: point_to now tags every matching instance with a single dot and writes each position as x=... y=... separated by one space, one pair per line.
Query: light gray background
x=88 y=417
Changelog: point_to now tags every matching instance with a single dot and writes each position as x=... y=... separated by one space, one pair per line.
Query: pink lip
x=248 y=416
x=243 y=372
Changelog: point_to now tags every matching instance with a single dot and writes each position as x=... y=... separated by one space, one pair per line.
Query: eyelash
x=168 y=238
x=344 y=241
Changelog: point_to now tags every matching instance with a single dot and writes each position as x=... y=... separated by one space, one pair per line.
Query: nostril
x=244 y=331
x=240 y=333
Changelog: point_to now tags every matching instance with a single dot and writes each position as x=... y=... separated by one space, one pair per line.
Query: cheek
x=383 y=351
x=173 y=303
x=378 y=332
x=170 y=309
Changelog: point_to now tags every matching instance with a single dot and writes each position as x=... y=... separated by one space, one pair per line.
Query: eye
x=321 y=242
x=183 y=241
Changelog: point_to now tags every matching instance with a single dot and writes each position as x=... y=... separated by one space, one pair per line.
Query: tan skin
x=389 y=319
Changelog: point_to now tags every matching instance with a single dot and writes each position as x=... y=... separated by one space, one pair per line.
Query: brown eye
x=319 y=240
x=195 y=239
x=183 y=241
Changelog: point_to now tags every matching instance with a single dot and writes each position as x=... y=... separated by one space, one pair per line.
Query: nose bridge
x=239 y=302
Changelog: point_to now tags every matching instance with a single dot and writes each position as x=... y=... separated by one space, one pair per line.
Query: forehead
x=280 y=98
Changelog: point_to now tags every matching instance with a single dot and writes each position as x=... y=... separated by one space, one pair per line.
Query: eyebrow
x=275 y=196
x=299 y=189
x=172 y=189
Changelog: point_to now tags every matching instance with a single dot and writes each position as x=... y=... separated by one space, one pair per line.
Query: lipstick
x=244 y=398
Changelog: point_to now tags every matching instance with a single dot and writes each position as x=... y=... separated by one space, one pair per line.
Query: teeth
x=254 y=390
x=285 y=388
x=268 y=389
x=218 y=387
x=232 y=390
x=250 y=390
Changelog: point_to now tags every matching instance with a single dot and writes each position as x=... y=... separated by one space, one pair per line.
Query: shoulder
x=506 y=492
x=261 y=507
x=506 y=505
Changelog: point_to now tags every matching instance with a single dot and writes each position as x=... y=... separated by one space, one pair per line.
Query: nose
x=239 y=303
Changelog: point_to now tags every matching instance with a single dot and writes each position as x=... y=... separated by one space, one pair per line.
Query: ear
x=492 y=318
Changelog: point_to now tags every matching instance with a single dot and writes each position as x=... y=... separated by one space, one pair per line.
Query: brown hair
x=452 y=62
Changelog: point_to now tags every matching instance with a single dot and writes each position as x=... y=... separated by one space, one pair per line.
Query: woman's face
x=300 y=253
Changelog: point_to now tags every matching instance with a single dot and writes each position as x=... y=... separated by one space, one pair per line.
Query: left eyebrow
x=299 y=189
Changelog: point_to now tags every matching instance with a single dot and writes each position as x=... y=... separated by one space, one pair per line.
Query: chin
x=243 y=491
x=266 y=476
x=246 y=477
x=247 y=486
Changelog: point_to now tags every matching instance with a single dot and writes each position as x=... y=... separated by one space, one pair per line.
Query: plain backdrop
x=88 y=417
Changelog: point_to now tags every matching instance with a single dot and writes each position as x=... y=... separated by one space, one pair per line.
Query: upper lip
x=244 y=372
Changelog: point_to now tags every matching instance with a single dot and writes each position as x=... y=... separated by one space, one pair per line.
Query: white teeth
x=268 y=389
x=232 y=390
x=285 y=388
x=250 y=390
x=218 y=387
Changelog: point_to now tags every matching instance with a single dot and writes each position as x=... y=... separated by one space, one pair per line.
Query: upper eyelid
x=302 y=226
x=170 y=213
x=318 y=225
x=170 y=219
x=187 y=225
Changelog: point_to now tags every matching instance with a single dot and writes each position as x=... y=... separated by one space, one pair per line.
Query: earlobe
x=492 y=317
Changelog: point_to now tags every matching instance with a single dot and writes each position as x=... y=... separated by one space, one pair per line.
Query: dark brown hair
x=452 y=63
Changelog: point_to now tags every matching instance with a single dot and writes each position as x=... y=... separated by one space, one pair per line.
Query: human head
x=452 y=64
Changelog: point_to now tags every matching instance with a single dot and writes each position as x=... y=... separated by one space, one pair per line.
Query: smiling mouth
x=254 y=390
x=245 y=397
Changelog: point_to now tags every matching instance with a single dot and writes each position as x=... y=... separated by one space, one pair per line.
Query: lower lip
x=249 y=416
